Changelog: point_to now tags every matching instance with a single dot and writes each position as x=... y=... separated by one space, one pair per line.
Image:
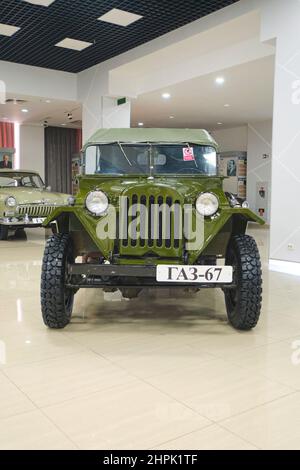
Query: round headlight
x=11 y=202
x=207 y=204
x=97 y=202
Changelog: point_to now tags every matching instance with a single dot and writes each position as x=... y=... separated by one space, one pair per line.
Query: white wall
x=35 y=81
x=280 y=20
x=224 y=46
x=256 y=140
x=230 y=140
x=259 y=168
x=99 y=110
x=115 y=116
x=32 y=149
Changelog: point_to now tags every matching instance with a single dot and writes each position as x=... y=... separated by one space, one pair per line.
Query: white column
x=100 y=110
x=32 y=149
x=281 y=20
x=259 y=168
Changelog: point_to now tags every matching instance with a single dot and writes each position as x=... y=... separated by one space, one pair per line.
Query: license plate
x=194 y=274
x=38 y=221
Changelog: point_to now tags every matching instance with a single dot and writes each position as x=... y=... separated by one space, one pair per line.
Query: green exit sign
x=121 y=101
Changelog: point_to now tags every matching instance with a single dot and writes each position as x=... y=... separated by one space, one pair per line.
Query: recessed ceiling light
x=120 y=17
x=73 y=44
x=220 y=80
x=24 y=110
x=226 y=105
x=141 y=124
x=220 y=123
x=8 y=30
x=63 y=124
x=166 y=96
x=172 y=117
x=48 y=101
x=44 y=3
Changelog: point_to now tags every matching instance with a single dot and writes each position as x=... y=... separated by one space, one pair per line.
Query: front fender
x=217 y=232
x=77 y=221
x=56 y=214
x=248 y=215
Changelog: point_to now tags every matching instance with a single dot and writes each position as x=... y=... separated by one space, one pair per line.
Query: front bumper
x=81 y=275
x=25 y=221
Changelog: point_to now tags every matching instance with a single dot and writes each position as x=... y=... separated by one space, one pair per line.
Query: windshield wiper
x=119 y=144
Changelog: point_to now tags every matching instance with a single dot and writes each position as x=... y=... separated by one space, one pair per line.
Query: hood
x=187 y=188
x=34 y=196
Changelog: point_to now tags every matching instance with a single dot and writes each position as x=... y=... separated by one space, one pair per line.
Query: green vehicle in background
x=151 y=212
x=25 y=202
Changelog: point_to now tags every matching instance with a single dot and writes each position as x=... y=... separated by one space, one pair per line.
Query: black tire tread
x=250 y=283
x=55 y=314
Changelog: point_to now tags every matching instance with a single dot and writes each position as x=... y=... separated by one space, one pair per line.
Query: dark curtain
x=60 y=145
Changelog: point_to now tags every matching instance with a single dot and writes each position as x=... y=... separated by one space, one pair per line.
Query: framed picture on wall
x=233 y=166
x=6 y=158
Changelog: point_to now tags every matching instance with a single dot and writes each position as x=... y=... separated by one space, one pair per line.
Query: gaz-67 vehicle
x=24 y=201
x=151 y=212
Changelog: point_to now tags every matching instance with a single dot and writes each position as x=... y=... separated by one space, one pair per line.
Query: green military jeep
x=151 y=212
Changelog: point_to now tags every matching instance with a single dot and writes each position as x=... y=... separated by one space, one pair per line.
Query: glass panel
x=117 y=159
x=180 y=160
x=7 y=182
x=31 y=181
x=21 y=180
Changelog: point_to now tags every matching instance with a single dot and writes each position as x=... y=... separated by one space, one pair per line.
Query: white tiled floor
x=160 y=371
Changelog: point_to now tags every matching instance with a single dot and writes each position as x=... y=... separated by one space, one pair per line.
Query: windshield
x=148 y=159
x=17 y=180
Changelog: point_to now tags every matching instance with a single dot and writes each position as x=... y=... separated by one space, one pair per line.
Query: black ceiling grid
x=43 y=27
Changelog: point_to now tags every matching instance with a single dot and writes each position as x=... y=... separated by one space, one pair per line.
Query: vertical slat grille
x=157 y=229
x=37 y=210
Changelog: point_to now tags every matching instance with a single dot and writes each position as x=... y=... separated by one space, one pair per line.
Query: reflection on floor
x=160 y=371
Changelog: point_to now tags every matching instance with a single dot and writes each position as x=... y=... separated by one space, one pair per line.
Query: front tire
x=3 y=232
x=243 y=303
x=56 y=300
